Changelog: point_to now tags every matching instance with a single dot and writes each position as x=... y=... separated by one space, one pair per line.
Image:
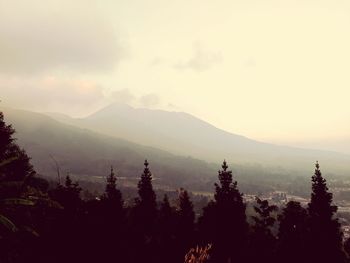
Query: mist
x=174 y=131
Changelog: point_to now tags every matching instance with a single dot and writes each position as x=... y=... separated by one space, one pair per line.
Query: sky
x=272 y=70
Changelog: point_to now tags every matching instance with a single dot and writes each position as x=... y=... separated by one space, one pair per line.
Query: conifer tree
x=112 y=195
x=146 y=206
x=147 y=196
x=185 y=224
x=165 y=211
x=6 y=139
x=185 y=211
x=325 y=233
x=166 y=220
x=225 y=221
x=68 y=195
x=14 y=162
x=111 y=217
x=144 y=217
x=262 y=240
x=166 y=231
x=293 y=233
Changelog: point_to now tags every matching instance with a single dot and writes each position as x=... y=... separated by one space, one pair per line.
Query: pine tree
x=224 y=221
x=144 y=217
x=185 y=211
x=6 y=139
x=111 y=218
x=293 y=233
x=112 y=195
x=185 y=224
x=147 y=196
x=22 y=201
x=167 y=242
x=262 y=240
x=68 y=195
x=325 y=233
x=14 y=162
x=165 y=211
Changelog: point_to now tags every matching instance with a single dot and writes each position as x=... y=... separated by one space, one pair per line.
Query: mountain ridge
x=184 y=134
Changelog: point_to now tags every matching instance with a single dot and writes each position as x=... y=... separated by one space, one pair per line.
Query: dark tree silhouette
x=106 y=219
x=14 y=163
x=166 y=212
x=144 y=218
x=112 y=195
x=347 y=247
x=68 y=195
x=38 y=224
x=146 y=202
x=224 y=221
x=68 y=229
x=166 y=232
x=6 y=139
x=167 y=221
x=19 y=193
x=325 y=233
x=185 y=224
x=262 y=240
x=293 y=233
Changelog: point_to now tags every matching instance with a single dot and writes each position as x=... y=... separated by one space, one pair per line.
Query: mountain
x=183 y=134
x=89 y=155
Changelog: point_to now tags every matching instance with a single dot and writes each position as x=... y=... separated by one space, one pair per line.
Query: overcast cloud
x=274 y=70
x=53 y=37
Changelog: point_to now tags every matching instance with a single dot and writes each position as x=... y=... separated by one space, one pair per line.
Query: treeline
x=43 y=224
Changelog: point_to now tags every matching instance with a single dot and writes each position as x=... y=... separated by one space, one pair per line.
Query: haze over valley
x=183 y=150
x=187 y=131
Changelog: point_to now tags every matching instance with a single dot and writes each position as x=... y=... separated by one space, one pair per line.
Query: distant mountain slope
x=183 y=134
x=85 y=153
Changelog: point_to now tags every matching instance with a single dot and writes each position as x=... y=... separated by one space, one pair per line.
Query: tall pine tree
x=224 y=221
x=112 y=196
x=262 y=241
x=293 y=233
x=166 y=226
x=146 y=202
x=14 y=163
x=144 y=218
x=325 y=233
x=185 y=224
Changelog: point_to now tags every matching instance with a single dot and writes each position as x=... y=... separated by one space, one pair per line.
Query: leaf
x=17 y=201
x=8 y=223
x=7 y=161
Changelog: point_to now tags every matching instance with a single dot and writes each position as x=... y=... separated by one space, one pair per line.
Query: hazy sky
x=273 y=70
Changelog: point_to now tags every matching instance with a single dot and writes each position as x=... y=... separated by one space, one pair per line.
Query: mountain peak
x=115 y=108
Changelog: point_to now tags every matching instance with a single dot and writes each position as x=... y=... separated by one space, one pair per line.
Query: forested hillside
x=39 y=223
x=184 y=134
x=87 y=156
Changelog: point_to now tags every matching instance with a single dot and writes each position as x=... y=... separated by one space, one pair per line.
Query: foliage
x=41 y=224
x=325 y=234
x=226 y=218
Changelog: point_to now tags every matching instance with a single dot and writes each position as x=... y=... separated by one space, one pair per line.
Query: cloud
x=172 y=107
x=200 y=61
x=45 y=36
x=126 y=96
x=250 y=62
x=157 y=61
x=149 y=100
x=50 y=94
x=123 y=96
